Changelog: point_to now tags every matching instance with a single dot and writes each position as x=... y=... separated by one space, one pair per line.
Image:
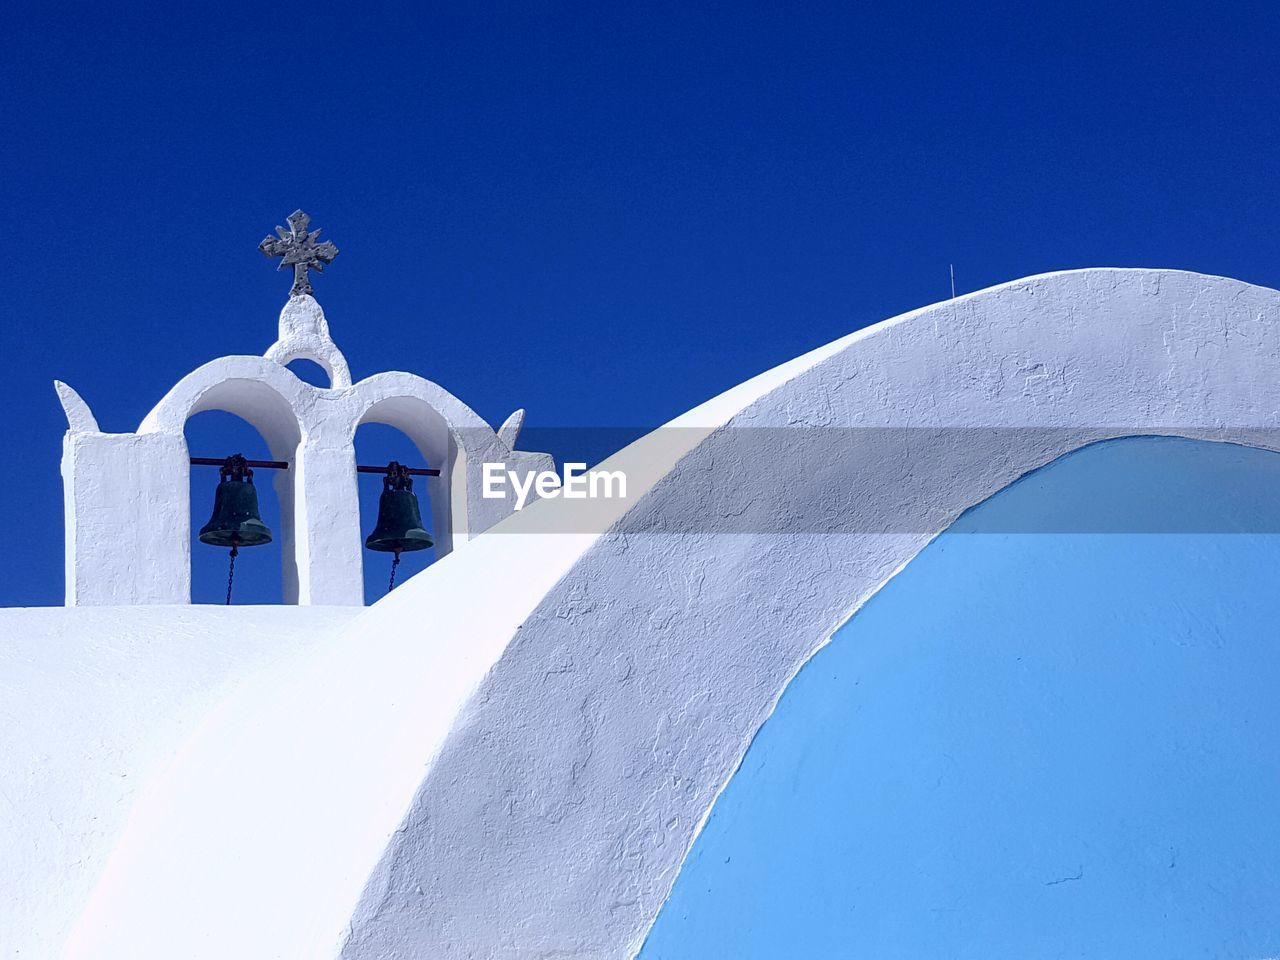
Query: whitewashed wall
x=511 y=755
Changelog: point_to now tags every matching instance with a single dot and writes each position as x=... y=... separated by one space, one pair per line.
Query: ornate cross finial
x=298 y=249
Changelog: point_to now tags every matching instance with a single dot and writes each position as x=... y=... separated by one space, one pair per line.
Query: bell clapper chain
x=394 y=563
x=231 y=571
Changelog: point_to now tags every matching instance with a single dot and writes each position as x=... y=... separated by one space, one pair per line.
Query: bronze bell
x=399 y=526
x=236 y=521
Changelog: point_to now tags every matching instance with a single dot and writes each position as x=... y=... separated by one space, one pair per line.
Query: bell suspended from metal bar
x=399 y=527
x=236 y=521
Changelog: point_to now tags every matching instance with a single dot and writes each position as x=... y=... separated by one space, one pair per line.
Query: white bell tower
x=127 y=509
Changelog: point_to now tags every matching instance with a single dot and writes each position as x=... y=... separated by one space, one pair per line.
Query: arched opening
x=267 y=424
x=422 y=438
x=377 y=444
x=309 y=371
x=259 y=570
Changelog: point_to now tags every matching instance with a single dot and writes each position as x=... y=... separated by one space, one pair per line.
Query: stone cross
x=298 y=248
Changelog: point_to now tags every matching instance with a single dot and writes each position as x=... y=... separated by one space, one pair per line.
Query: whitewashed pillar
x=327 y=520
x=128 y=518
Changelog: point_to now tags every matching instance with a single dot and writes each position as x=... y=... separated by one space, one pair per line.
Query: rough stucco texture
x=1027 y=744
x=556 y=816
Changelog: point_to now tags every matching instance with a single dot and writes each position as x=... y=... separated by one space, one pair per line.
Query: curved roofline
x=527 y=774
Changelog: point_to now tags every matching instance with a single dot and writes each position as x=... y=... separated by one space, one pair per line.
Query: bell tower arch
x=127 y=502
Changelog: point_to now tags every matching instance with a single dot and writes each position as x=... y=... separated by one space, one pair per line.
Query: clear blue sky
x=603 y=215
